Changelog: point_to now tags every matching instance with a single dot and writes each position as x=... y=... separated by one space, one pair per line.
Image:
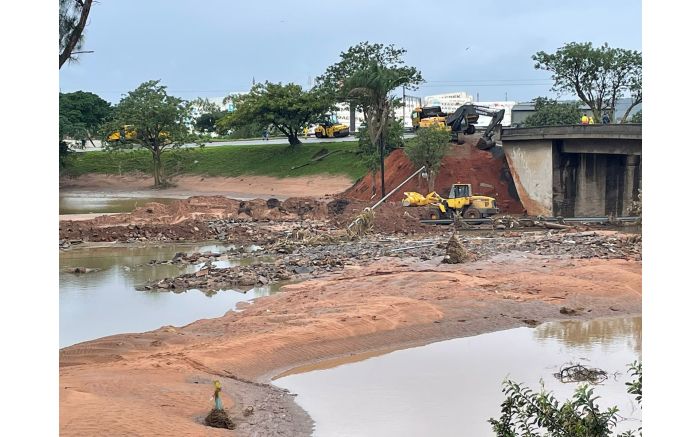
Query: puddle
x=102 y=303
x=451 y=388
x=96 y=204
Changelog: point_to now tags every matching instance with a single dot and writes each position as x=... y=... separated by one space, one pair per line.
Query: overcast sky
x=208 y=48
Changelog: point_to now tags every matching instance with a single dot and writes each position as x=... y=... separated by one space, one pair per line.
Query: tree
x=286 y=107
x=529 y=414
x=207 y=121
x=369 y=155
x=157 y=119
x=360 y=57
x=549 y=112
x=636 y=118
x=81 y=114
x=72 y=18
x=428 y=149
x=372 y=87
x=598 y=76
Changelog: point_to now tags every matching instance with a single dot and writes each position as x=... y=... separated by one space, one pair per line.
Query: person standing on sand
x=217 y=396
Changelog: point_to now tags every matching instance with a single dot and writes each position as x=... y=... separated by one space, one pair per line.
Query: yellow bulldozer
x=460 y=203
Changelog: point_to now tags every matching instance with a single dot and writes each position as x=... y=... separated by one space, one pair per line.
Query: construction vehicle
x=330 y=128
x=461 y=122
x=427 y=116
x=459 y=203
x=128 y=133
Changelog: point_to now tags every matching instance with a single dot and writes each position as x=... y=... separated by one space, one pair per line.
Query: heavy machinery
x=459 y=203
x=427 y=116
x=461 y=122
x=128 y=133
x=330 y=128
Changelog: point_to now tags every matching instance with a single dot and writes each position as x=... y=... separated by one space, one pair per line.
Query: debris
x=581 y=373
x=456 y=253
x=567 y=311
x=219 y=419
x=81 y=270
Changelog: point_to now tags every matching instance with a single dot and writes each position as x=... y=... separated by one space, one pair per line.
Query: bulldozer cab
x=460 y=190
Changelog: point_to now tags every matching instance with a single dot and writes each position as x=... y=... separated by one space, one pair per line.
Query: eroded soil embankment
x=145 y=383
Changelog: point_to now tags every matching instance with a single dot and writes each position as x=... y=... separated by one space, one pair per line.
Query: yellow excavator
x=459 y=203
x=460 y=123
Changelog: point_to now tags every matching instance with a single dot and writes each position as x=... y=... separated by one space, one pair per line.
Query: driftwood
x=580 y=373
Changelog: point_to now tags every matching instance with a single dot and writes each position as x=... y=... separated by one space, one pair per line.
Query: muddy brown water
x=106 y=302
x=451 y=388
x=97 y=204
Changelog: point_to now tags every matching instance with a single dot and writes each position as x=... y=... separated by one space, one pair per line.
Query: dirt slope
x=487 y=171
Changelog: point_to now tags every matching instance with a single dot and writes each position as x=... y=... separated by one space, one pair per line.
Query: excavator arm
x=486 y=141
x=462 y=121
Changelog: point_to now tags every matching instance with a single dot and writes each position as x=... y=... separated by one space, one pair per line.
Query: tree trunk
x=157 y=169
x=431 y=180
x=75 y=36
x=374 y=183
x=627 y=112
x=293 y=139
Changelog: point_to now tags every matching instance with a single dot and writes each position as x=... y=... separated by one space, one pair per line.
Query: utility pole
x=381 y=158
x=403 y=120
x=506 y=96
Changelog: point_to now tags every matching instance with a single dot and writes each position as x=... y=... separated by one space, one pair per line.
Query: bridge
x=575 y=171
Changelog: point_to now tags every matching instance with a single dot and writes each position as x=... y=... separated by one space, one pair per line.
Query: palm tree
x=372 y=87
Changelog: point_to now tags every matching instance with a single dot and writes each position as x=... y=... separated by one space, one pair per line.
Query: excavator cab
x=460 y=190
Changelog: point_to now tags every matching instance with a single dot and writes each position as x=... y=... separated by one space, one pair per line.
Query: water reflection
x=451 y=388
x=106 y=302
x=591 y=332
x=92 y=204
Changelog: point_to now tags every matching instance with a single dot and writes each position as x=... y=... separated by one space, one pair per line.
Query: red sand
x=463 y=164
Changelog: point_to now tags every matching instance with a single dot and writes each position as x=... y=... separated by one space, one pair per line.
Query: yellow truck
x=460 y=202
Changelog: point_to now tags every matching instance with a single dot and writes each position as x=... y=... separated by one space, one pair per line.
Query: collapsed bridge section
x=575 y=171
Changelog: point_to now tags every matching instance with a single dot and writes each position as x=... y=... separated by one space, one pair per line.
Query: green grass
x=265 y=160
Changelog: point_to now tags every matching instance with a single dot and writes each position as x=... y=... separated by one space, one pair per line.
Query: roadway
x=249 y=142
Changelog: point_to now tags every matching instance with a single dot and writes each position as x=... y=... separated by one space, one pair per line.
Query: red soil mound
x=487 y=171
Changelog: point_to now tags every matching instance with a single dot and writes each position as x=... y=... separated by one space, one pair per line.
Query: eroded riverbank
x=384 y=292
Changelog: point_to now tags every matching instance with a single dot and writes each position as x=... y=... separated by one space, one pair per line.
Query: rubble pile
x=209 y=279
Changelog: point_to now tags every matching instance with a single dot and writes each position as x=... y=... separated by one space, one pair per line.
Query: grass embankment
x=277 y=160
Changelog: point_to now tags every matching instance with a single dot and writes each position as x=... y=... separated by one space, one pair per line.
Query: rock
x=247 y=278
x=202 y=272
x=567 y=311
x=263 y=280
x=248 y=411
x=273 y=203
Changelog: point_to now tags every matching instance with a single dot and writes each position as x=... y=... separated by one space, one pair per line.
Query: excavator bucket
x=485 y=143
